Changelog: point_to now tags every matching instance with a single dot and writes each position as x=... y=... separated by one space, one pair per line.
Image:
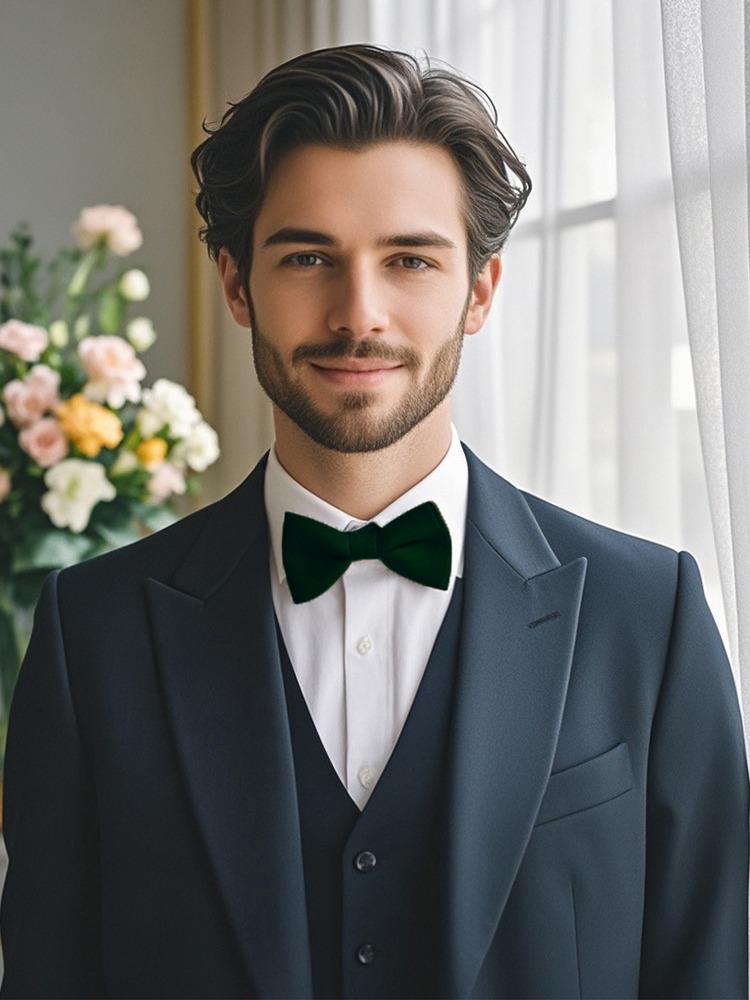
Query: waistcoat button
x=365 y=861
x=365 y=954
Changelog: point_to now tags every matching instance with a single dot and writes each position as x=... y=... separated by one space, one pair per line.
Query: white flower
x=134 y=285
x=199 y=449
x=59 y=335
x=112 y=223
x=169 y=405
x=140 y=332
x=75 y=488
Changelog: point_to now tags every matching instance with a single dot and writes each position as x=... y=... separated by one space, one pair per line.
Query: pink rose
x=44 y=441
x=113 y=369
x=165 y=480
x=5 y=484
x=29 y=399
x=114 y=224
x=23 y=339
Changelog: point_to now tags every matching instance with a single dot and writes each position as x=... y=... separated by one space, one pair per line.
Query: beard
x=353 y=427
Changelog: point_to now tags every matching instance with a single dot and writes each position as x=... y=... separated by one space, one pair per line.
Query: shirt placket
x=366 y=678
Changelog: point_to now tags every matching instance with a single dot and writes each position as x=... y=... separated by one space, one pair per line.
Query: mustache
x=371 y=348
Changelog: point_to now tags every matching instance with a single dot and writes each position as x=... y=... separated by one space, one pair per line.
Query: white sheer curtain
x=705 y=49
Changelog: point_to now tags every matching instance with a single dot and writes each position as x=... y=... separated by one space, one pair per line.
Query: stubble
x=353 y=427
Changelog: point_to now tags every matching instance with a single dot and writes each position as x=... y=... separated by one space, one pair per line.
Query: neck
x=363 y=483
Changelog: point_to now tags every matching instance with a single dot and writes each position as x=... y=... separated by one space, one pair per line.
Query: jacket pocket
x=587 y=784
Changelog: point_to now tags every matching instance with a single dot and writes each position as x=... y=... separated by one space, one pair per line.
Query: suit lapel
x=518 y=633
x=218 y=657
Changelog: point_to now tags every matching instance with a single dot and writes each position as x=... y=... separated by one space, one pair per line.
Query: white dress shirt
x=359 y=650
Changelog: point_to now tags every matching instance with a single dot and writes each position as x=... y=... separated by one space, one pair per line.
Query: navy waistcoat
x=372 y=879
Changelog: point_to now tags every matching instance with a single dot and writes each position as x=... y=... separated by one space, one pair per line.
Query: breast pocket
x=587 y=784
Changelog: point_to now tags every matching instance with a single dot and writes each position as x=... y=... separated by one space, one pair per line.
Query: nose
x=358 y=308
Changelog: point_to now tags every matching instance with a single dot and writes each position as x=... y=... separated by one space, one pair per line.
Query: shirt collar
x=447 y=485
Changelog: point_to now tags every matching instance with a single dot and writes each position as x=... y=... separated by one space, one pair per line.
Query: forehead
x=385 y=187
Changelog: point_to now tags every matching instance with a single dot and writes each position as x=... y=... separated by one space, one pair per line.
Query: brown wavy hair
x=353 y=96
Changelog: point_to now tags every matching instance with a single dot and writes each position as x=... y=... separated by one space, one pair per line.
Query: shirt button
x=365 y=645
x=365 y=861
x=366 y=776
x=365 y=954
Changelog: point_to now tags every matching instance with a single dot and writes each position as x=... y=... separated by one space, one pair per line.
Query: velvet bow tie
x=416 y=545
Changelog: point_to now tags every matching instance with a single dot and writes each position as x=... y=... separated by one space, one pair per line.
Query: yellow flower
x=152 y=452
x=90 y=426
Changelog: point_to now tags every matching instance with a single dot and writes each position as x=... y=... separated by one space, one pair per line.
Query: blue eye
x=413 y=263
x=304 y=259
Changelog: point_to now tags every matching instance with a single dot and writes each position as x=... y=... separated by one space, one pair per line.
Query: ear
x=482 y=294
x=234 y=293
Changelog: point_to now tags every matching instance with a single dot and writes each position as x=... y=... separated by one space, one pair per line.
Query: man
x=376 y=724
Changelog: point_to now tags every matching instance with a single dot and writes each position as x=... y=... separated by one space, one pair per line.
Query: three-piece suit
x=565 y=813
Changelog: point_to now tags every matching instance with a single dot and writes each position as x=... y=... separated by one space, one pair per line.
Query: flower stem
x=82 y=273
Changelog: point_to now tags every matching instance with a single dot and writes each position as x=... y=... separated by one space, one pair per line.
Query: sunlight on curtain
x=705 y=46
x=577 y=389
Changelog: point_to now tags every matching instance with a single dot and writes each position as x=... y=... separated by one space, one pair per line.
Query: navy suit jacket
x=596 y=826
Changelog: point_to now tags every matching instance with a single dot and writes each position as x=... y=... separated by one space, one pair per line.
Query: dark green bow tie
x=416 y=545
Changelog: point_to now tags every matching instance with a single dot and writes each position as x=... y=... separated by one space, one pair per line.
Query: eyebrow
x=290 y=234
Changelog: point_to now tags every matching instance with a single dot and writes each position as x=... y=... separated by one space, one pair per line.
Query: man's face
x=359 y=290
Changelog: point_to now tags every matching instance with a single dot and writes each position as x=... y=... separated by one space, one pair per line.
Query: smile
x=357 y=373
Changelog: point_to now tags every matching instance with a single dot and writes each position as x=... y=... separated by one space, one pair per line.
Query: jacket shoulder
x=570 y=536
x=156 y=554
x=626 y=570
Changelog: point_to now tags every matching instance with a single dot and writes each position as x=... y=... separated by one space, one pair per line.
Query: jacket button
x=365 y=861
x=365 y=954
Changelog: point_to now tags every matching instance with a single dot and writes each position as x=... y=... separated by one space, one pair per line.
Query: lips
x=359 y=365
x=357 y=373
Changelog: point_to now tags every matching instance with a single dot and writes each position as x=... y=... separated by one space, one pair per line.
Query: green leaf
x=157 y=517
x=10 y=659
x=115 y=536
x=26 y=587
x=51 y=550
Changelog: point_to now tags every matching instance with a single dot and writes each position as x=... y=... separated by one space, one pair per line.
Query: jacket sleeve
x=50 y=917
x=695 y=938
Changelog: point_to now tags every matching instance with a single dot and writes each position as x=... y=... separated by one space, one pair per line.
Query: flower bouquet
x=89 y=458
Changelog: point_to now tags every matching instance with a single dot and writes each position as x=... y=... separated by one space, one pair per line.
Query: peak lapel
x=217 y=651
x=518 y=634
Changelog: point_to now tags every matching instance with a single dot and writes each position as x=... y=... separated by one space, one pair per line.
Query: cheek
x=431 y=322
x=277 y=315
x=438 y=302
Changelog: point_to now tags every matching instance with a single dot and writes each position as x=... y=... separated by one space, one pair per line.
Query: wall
x=93 y=111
